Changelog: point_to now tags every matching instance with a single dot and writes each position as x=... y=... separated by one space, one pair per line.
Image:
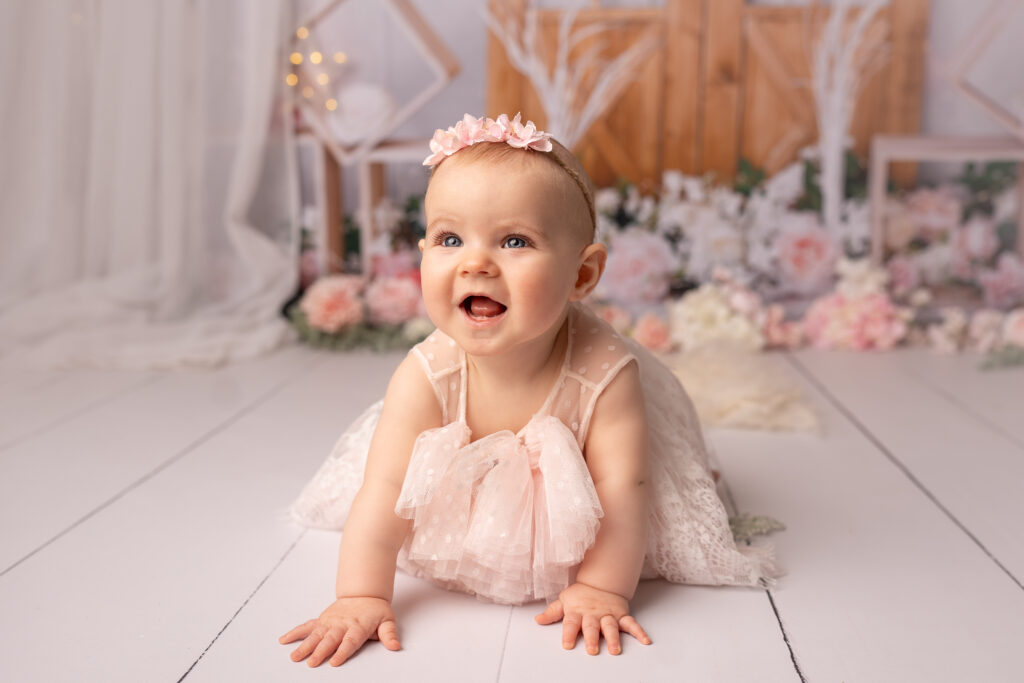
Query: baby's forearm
x=616 y=559
x=370 y=543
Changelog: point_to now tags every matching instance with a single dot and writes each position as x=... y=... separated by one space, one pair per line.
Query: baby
x=524 y=451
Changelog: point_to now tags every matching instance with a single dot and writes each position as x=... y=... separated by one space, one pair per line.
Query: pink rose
x=651 y=332
x=639 y=267
x=333 y=302
x=935 y=212
x=1013 y=328
x=1003 y=286
x=807 y=258
x=404 y=263
x=904 y=276
x=392 y=300
x=859 y=323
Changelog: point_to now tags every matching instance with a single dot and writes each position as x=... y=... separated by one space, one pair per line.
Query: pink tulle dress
x=508 y=517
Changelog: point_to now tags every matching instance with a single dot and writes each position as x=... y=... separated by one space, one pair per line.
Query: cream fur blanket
x=743 y=390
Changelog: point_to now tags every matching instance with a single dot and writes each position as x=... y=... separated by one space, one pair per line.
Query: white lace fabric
x=509 y=517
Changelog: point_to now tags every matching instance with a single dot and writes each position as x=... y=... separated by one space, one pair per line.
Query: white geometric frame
x=993 y=20
x=438 y=57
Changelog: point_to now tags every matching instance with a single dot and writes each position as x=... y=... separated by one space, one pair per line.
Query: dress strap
x=443 y=364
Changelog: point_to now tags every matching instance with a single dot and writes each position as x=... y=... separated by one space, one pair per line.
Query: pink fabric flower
x=471 y=130
x=332 y=303
x=639 y=267
x=393 y=300
x=1013 y=328
x=904 y=276
x=780 y=333
x=935 y=212
x=859 y=324
x=652 y=333
x=1003 y=286
x=985 y=330
x=807 y=258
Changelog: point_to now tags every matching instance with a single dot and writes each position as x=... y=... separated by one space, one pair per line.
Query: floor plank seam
x=164 y=465
x=504 y=644
x=76 y=413
x=967 y=408
x=244 y=603
x=785 y=637
x=899 y=465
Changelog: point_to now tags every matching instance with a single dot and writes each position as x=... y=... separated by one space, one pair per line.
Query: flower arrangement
x=345 y=312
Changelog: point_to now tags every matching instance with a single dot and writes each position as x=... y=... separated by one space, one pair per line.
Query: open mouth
x=482 y=307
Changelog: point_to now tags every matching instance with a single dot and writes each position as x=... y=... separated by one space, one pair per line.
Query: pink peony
x=393 y=300
x=639 y=267
x=780 y=333
x=860 y=323
x=904 y=276
x=985 y=329
x=1003 y=286
x=333 y=302
x=807 y=257
x=935 y=212
x=1013 y=328
x=651 y=332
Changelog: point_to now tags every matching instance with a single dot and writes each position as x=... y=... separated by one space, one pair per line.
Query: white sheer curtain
x=147 y=181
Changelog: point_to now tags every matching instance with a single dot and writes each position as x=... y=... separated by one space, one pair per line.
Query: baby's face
x=501 y=253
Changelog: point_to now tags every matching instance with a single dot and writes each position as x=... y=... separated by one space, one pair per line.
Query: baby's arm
x=616 y=451
x=373 y=532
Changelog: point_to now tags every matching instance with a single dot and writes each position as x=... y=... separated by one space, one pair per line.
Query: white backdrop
x=147 y=186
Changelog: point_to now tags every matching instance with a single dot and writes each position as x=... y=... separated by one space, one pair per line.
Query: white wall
x=380 y=53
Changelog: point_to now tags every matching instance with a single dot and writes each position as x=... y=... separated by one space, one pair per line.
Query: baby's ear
x=421 y=246
x=592 y=262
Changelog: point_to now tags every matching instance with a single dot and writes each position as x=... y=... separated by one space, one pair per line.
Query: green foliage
x=376 y=337
x=748 y=177
x=855 y=183
x=984 y=184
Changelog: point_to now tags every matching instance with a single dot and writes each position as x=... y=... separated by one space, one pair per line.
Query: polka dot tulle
x=509 y=517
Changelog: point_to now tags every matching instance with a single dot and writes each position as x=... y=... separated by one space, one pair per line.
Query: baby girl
x=524 y=451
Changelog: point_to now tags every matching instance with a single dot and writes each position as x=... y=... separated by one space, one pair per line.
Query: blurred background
x=186 y=184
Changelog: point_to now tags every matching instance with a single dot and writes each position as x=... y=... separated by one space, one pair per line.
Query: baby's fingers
x=610 y=629
x=570 y=630
x=298 y=633
x=307 y=646
x=387 y=633
x=591 y=633
x=551 y=614
x=353 y=640
x=328 y=644
x=629 y=625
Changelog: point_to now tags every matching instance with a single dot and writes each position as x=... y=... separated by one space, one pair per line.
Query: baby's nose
x=477 y=262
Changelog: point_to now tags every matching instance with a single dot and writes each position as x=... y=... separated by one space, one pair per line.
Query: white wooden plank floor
x=143 y=536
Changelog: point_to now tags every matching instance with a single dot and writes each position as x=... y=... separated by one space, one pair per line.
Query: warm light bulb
x=322 y=79
x=291 y=79
x=302 y=32
x=307 y=91
x=316 y=57
x=296 y=58
x=331 y=104
x=340 y=57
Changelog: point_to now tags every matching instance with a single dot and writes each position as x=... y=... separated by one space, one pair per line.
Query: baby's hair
x=558 y=156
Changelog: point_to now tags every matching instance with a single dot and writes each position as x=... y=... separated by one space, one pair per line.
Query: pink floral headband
x=471 y=130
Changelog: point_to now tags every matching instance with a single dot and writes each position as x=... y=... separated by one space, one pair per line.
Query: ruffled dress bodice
x=510 y=516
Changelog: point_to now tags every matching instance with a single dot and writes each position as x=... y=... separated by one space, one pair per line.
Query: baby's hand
x=596 y=612
x=342 y=629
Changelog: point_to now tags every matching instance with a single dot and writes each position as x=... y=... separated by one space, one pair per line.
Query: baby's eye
x=516 y=242
x=447 y=239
